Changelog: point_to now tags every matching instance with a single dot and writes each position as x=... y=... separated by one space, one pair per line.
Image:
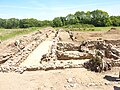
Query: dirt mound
x=113 y=31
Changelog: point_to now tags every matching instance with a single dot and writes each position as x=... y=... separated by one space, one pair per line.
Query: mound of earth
x=113 y=31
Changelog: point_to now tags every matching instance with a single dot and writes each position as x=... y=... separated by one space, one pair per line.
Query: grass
x=85 y=27
x=9 y=33
x=104 y=28
x=90 y=28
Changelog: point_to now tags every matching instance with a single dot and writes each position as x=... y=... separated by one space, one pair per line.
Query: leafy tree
x=100 y=18
x=115 y=20
x=2 y=23
x=57 y=22
x=24 y=23
x=80 y=16
x=47 y=23
x=12 y=23
x=63 y=19
x=71 y=19
x=88 y=18
x=33 y=22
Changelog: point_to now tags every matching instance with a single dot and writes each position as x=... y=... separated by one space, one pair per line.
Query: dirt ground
x=67 y=79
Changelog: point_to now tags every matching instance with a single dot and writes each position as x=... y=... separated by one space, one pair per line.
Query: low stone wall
x=49 y=66
x=73 y=55
x=67 y=47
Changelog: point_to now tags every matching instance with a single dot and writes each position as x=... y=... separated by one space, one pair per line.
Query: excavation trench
x=52 y=54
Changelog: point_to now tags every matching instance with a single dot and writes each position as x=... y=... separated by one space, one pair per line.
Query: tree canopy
x=97 y=18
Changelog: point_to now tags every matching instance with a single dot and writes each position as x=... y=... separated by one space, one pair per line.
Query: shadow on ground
x=110 y=78
x=116 y=88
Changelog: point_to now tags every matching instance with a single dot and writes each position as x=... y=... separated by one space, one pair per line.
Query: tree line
x=23 y=23
x=97 y=18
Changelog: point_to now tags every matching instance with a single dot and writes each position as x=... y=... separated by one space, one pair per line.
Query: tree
x=24 y=23
x=100 y=18
x=12 y=23
x=115 y=20
x=47 y=23
x=2 y=23
x=80 y=16
x=71 y=19
x=63 y=19
x=57 y=22
x=88 y=18
x=33 y=22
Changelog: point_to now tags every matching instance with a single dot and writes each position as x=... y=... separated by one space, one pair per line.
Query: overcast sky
x=48 y=9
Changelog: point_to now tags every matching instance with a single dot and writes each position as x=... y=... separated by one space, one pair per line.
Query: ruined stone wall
x=11 y=60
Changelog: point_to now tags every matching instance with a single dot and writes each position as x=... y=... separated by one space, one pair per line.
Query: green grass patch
x=79 y=26
x=9 y=33
x=90 y=28
x=85 y=27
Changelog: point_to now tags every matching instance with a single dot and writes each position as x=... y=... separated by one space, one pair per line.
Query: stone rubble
x=73 y=55
x=52 y=54
x=53 y=66
x=20 y=51
x=104 y=55
x=67 y=47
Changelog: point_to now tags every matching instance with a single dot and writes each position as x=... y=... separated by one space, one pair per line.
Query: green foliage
x=23 y=23
x=81 y=16
x=9 y=33
x=97 y=60
x=71 y=19
x=97 y=18
x=57 y=22
x=115 y=20
x=9 y=23
x=63 y=19
x=100 y=18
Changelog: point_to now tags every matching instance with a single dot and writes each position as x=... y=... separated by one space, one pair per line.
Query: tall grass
x=9 y=33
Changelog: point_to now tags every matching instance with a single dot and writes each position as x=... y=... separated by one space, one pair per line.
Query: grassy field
x=85 y=27
x=90 y=29
x=9 y=33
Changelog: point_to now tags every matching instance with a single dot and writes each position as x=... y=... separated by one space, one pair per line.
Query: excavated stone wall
x=103 y=54
x=19 y=51
x=99 y=54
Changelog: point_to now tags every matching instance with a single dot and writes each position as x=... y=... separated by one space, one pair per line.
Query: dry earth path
x=34 y=58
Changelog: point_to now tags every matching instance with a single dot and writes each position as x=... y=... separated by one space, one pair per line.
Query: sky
x=49 y=9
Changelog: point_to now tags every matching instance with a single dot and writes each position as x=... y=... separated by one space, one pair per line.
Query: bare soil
x=58 y=80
